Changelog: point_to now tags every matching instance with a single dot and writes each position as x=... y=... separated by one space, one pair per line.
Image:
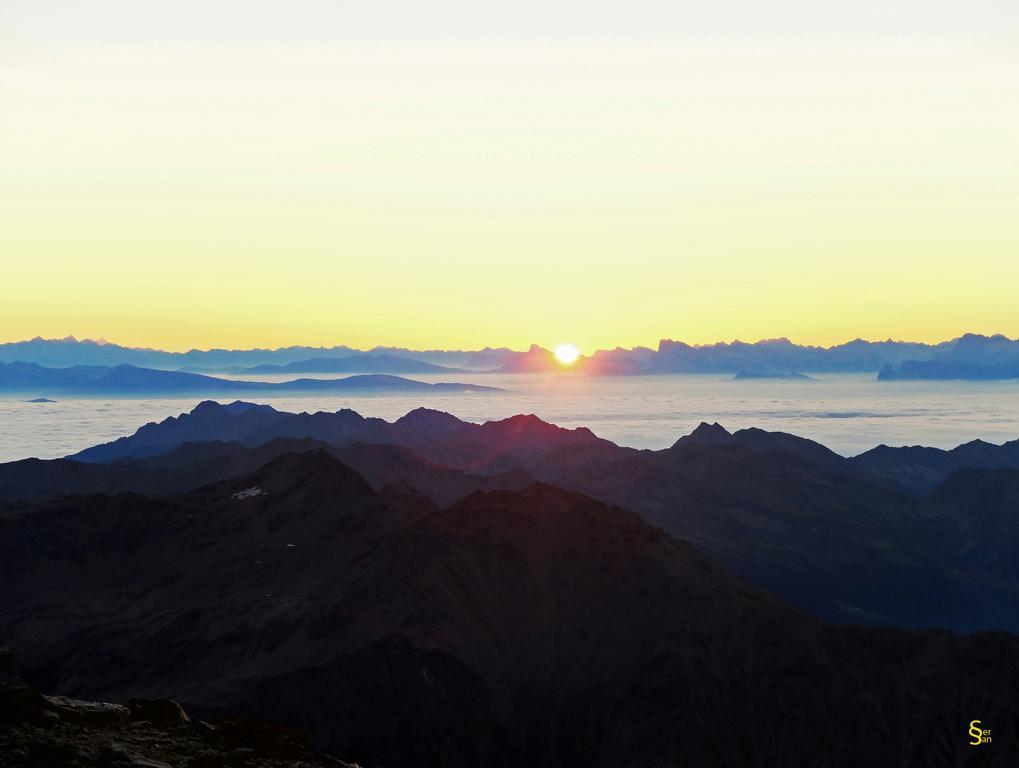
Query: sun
x=567 y=354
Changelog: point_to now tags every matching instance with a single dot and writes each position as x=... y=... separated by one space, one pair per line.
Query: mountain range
x=71 y=351
x=355 y=364
x=431 y=591
x=971 y=356
x=534 y=626
x=97 y=380
x=845 y=539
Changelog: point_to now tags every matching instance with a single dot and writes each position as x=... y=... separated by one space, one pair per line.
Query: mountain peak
x=206 y=406
x=522 y=423
x=240 y=406
x=429 y=418
x=237 y=407
x=315 y=473
x=706 y=435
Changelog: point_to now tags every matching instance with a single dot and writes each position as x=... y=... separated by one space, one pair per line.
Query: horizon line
x=102 y=341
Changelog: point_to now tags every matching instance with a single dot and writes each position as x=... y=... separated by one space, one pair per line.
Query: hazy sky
x=457 y=174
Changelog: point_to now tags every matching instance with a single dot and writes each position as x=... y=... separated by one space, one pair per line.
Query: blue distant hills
x=367 y=363
x=71 y=351
x=969 y=357
x=130 y=380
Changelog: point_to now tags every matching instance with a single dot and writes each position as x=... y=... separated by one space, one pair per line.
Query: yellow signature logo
x=978 y=735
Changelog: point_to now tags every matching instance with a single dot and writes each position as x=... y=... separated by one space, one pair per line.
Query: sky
x=460 y=174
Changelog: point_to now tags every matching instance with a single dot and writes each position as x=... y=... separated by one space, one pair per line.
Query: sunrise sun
x=567 y=354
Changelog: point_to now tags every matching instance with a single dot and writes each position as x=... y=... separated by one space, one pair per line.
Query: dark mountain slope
x=969 y=525
x=343 y=427
x=384 y=465
x=162 y=567
x=36 y=479
x=498 y=446
x=192 y=465
x=186 y=467
x=207 y=421
x=789 y=515
x=514 y=628
x=829 y=534
x=919 y=470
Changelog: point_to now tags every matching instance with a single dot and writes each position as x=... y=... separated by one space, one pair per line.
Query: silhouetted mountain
x=781 y=356
x=980 y=356
x=355 y=364
x=797 y=518
x=775 y=510
x=618 y=361
x=969 y=524
x=762 y=441
x=389 y=465
x=936 y=370
x=207 y=421
x=770 y=358
x=492 y=447
x=423 y=426
x=69 y=351
x=185 y=467
x=706 y=434
x=373 y=382
x=194 y=464
x=513 y=628
x=498 y=446
x=970 y=357
x=834 y=536
x=918 y=470
x=791 y=446
x=129 y=380
x=91 y=379
x=535 y=360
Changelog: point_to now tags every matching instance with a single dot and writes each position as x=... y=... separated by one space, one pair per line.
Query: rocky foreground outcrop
x=38 y=731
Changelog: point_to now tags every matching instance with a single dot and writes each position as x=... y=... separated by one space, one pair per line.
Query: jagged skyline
x=53 y=366
x=530 y=346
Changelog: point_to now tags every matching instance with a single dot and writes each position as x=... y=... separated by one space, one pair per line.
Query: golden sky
x=453 y=174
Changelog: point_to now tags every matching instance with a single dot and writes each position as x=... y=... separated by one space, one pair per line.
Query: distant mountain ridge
x=919 y=470
x=95 y=380
x=367 y=363
x=969 y=356
x=777 y=358
x=71 y=351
